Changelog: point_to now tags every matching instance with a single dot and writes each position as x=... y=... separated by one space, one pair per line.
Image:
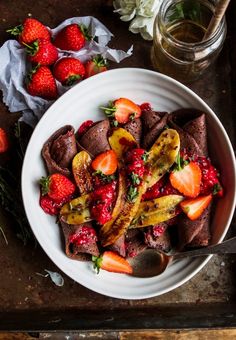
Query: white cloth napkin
x=14 y=67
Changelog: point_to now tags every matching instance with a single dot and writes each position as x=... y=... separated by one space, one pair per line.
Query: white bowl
x=81 y=103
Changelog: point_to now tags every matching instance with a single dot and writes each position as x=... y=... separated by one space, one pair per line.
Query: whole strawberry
x=4 y=141
x=71 y=37
x=94 y=66
x=31 y=30
x=58 y=187
x=68 y=70
x=41 y=83
x=42 y=52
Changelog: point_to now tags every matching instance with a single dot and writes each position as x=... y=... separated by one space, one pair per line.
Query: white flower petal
x=56 y=278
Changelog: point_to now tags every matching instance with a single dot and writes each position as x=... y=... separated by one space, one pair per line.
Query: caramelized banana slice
x=123 y=220
x=77 y=210
x=105 y=229
x=120 y=141
x=80 y=168
x=155 y=211
x=162 y=155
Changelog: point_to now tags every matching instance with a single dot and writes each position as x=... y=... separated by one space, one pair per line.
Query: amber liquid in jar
x=179 y=49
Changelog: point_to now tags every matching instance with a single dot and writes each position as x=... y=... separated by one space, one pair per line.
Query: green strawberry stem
x=33 y=48
x=73 y=79
x=97 y=262
x=44 y=182
x=16 y=30
x=109 y=111
x=29 y=75
x=85 y=32
x=99 y=60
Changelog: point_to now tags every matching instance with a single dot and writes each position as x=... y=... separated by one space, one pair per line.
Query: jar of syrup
x=179 y=49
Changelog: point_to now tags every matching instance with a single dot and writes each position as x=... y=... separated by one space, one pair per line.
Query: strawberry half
x=30 y=31
x=40 y=82
x=42 y=52
x=193 y=208
x=106 y=162
x=187 y=180
x=97 y=65
x=58 y=187
x=71 y=37
x=122 y=110
x=68 y=71
x=112 y=262
x=4 y=142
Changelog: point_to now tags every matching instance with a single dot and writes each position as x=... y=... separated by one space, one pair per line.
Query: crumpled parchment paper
x=14 y=67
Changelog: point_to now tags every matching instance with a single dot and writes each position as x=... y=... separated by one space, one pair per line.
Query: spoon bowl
x=152 y=262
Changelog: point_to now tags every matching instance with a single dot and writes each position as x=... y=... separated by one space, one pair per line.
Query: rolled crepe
x=153 y=124
x=191 y=126
x=119 y=246
x=94 y=140
x=161 y=242
x=134 y=241
x=194 y=233
x=59 y=150
x=78 y=252
x=134 y=127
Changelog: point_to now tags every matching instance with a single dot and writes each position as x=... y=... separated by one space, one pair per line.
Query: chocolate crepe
x=59 y=150
x=153 y=124
x=78 y=252
x=191 y=126
x=134 y=241
x=94 y=140
x=161 y=242
x=119 y=246
x=134 y=127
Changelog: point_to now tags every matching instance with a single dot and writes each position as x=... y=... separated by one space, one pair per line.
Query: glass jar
x=179 y=49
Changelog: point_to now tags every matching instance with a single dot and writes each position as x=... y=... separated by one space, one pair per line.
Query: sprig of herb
x=132 y=116
x=145 y=156
x=180 y=163
x=132 y=194
x=216 y=188
x=105 y=178
x=136 y=180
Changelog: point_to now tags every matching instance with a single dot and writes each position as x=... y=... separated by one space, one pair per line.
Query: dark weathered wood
x=31 y=302
x=166 y=317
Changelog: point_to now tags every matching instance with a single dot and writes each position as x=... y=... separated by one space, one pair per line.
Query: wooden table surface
x=26 y=297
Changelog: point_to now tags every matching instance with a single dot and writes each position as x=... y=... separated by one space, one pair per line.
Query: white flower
x=141 y=12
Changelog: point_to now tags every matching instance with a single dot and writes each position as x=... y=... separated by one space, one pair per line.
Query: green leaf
x=136 y=180
x=132 y=194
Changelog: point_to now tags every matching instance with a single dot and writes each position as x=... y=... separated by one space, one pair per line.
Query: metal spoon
x=153 y=262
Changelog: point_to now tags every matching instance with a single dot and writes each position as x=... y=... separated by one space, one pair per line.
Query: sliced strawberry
x=112 y=262
x=187 y=180
x=193 y=208
x=123 y=110
x=106 y=162
x=4 y=143
x=97 y=65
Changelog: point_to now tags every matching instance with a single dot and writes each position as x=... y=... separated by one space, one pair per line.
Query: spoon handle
x=226 y=247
